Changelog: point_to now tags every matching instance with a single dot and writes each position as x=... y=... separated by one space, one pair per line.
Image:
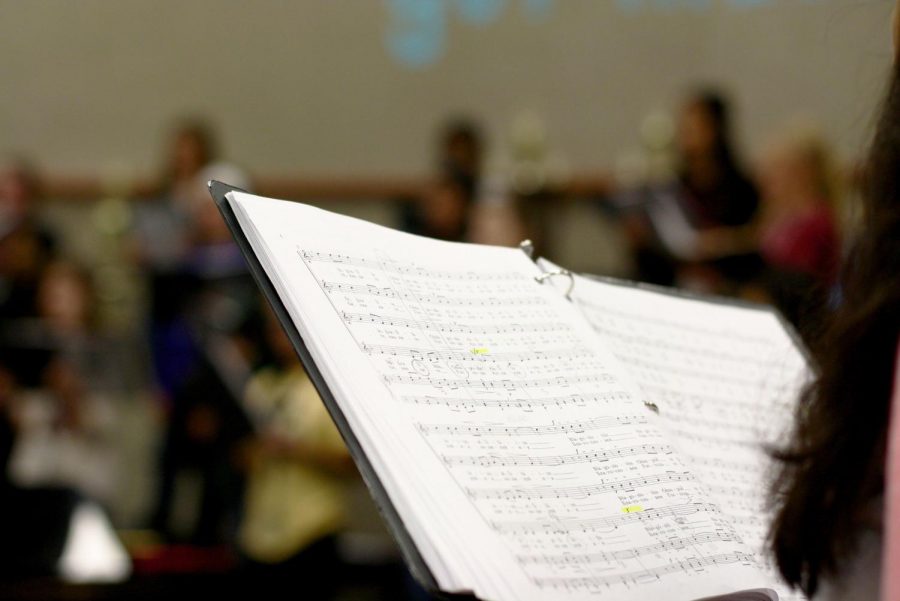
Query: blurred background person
x=710 y=190
x=206 y=289
x=65 y=423
x=162 y=237
x=799 y=237
x=162 y=225
x=796 y=232
x=26 y=245
x=443 y=211
x=297 y=466
x=716 y=189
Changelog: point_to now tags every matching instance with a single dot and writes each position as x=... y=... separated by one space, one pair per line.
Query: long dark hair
x=834 y=467
x=715 y=105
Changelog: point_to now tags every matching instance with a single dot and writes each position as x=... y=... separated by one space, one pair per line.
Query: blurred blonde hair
x=803 y=138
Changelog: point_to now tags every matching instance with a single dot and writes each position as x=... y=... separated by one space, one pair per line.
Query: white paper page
x=725 y=379
x=499 y=424
x=378 y=442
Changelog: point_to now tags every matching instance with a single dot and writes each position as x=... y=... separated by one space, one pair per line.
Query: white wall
x=311 y=85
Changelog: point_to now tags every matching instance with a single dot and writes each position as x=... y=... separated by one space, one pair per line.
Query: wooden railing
x=80 y=187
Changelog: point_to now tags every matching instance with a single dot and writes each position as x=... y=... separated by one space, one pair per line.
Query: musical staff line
x=679 y=326
x=453 y=328
x=555 y=460
x=580 y=400
x=724 y=441
x=414 y=270
x=635 y=340
x=667 y=368
x=641 y=576
x=674 y=544
x=475 y=357
x=546 y=429
x=564 y=381
x=577 y=492
x=432 y=299
x=603 y=522
x=666 y=395
x=735 y=466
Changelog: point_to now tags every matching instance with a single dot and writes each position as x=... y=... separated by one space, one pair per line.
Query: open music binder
x=527 y=432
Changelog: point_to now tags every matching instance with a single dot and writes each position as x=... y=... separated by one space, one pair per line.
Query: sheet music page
x=513 y=444
x=725 y=378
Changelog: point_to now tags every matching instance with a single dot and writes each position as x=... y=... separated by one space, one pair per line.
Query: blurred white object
x=82 y=457
x=672 y=225
x=494 y=218
x=225 y=173
x=92 y=552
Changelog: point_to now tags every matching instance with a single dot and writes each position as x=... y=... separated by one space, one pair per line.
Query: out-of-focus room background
x=145 y=394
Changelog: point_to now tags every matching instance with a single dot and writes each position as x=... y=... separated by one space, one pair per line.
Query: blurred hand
x=715 y=243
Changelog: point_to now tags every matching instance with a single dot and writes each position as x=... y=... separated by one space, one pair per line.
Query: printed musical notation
x=427 y=298
x=526 y=415
x=408 y=269
x=500 y=424
x=577 y=492
x=475 y=355
x=524 y=404
x=724 y=378
x=570 y=559
x=641 y=576
x=480 y=384
x=606 y=521
x=556 y=460
x=532 y=430
x=420 y=324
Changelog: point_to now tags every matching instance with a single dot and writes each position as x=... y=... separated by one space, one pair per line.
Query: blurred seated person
x=298 y=466
x=710 y=191
x=65 y=436
x=796 y=232
x=443 y=212
x=65 y=425
x=34 y=522
x=25 y=246
x=49 y=528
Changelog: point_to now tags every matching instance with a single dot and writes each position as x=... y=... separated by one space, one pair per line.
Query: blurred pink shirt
x=890 y=570
x=806 y=243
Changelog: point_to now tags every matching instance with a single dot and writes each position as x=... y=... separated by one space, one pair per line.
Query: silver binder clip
x=540 y=279
x=527 y=247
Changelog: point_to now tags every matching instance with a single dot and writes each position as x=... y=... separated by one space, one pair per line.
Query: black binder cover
x=414 y=561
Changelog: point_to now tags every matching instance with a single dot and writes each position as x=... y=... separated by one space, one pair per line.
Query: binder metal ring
x=540 y=279
x=527 y=247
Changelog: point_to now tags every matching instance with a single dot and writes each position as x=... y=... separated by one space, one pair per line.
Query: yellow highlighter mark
x=632 y=509
x=479 y=351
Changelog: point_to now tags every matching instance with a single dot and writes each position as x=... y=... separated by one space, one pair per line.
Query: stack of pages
x=540 y=436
